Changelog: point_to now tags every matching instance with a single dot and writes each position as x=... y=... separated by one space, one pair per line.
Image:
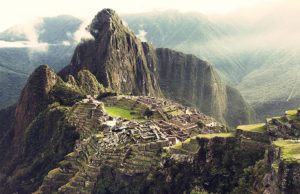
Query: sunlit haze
x=17 y=11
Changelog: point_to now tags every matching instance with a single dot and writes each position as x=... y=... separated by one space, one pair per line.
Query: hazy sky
x=17 y=11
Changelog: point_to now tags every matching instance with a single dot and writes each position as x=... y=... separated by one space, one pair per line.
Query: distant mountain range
x=253 y=56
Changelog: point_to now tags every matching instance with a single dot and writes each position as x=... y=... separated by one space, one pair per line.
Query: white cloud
x=40 y=47
x=28 y=29
x=11 y=14
x=66 y=43
x=82 y=34
x=142 y=35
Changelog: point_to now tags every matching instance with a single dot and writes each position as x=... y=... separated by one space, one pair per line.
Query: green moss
x=290 y=150
x=209 y=136
x=260 y=128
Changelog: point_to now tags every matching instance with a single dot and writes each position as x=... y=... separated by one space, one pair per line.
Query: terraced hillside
x=120 y=143
x=147 y=151
x=77 y=135
x=132 y=146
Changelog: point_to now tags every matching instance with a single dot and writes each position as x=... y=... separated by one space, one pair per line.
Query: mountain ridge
x=80 y=136
x=121 y=62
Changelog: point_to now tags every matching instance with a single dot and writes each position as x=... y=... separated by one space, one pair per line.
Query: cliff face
x=123 y=63
x=117 y=58
x=190 y=80
x=33 y=98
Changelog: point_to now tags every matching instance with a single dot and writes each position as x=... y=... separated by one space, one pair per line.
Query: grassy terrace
x=290 y=150
x=291 y=112
x=260 y=128
x=193 y=147
x=209 y=136
x=291 y=115
x=116 y=111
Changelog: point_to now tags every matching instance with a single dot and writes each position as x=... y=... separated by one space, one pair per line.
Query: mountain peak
x=105 y=20
x=117 y=58
x=33 y=98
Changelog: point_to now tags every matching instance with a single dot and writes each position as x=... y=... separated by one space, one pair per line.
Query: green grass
x=189 y=146
x=291 y=112
x=176 y=112
x=116 y=111
x=209 y=136
x=178 y=145
x=260 y=128
x=100 y=135
x=292 y=117
x=268 y=119
x=290 y=150
x=54 y=171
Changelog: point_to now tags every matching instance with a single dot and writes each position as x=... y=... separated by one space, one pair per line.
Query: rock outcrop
x=70 y=142
x=121 y=62
x=190 y=80
x=36 y=136
x=33 y=99
x=113 y=153
x=118 y=59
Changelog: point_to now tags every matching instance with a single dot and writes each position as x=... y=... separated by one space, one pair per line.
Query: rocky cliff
x=121 y=62
x=33 y=98
x=117 y=58
x=77 y=136
x=192 y=81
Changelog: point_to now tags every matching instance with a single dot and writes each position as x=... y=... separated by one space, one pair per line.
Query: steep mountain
x=258 y=56
x=36 y=90
x=75 y=135
x=190 y=33
x=36 y=136
x=123 y=63
x=192 y=81
x=116 y=57
x=249 y=54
